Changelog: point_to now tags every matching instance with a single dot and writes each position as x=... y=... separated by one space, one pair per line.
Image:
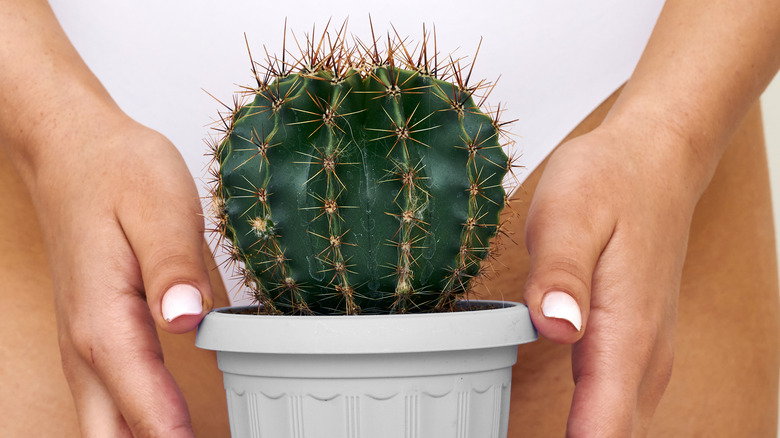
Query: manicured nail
x=561 y=305
x=179 y=300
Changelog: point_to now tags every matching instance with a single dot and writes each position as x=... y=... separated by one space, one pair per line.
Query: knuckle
x=562 y=272
x=80 y=341
x=164 y=260
x=77 y=347
x=167 y=268
x=573 y=269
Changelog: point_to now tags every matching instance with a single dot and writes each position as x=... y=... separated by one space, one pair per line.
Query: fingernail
x=179 y=300
x=561 y=305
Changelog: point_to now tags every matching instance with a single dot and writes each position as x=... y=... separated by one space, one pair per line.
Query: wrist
x=668 y=141
x=50 y=132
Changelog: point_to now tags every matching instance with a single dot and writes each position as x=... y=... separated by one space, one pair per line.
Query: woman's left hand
x=607 y=235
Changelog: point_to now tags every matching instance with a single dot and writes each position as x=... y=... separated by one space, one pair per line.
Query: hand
x=607 y=234
x=123 y=228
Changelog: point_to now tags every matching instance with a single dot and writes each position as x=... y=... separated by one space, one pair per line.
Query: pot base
x=459 y=405
x=400 y=376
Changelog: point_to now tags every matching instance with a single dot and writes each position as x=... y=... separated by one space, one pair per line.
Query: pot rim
x=508 y=324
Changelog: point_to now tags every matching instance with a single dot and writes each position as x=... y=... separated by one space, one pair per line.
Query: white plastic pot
x=437 y=375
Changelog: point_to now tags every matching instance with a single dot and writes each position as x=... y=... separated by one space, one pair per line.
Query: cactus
x=359 y=181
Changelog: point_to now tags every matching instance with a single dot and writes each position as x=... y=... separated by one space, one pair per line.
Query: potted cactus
x=357 y=192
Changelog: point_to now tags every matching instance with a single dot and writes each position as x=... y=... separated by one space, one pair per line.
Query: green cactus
x=359 y=182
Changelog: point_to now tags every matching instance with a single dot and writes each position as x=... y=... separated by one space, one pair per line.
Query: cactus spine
x=359 y=181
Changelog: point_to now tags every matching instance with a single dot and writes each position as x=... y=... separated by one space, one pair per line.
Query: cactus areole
x=359 y=181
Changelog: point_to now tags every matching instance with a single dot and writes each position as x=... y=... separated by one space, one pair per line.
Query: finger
x=565 y=238
x=619 y=379
x=623 y=363
x=127 y=358
x=164 y=226
x=98 y=415
x=106 y=320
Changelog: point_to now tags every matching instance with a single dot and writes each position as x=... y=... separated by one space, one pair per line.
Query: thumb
x=564 y=241
x=164 y=227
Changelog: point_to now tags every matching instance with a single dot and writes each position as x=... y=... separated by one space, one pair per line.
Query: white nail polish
x=181 y=299
x=562 y=306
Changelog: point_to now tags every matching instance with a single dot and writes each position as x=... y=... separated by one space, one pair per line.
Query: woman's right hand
x=122 y=225
x=123 y=229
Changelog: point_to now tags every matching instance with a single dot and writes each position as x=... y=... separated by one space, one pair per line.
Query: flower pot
x=402 y=376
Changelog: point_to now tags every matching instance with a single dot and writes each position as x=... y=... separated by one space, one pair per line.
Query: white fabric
x=558 y=59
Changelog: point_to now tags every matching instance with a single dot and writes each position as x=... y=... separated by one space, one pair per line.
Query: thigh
x=32 y=385
x=725 y=377
x=34 y=397
x=725 y=380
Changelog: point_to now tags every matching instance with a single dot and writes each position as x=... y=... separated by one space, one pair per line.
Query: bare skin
x=608 y=225
x=727 y=343
x=656 y=150
x=73 y=148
